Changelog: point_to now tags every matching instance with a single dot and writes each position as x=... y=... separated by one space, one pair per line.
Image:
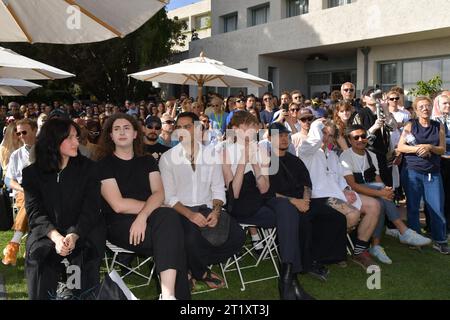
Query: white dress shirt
x=325 y=170
x=18 y=160
x=192 y=188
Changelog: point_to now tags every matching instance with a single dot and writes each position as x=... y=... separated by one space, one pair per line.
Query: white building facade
x=316 y=45
x=197 y=17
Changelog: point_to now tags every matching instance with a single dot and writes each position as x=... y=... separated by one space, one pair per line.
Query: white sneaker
x=392 y=233
x=161 y=297
x=412 y=238
x=379 y=253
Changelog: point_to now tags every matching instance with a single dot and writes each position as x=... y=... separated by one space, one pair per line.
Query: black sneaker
x=319 y=271
x=441 y=247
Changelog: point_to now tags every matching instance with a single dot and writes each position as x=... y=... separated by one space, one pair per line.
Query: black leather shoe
x=300 y=293
x=285 y=284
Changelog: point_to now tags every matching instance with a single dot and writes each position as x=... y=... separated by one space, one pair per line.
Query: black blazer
x=70 y=204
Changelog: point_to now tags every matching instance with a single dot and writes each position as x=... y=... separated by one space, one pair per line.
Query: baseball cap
x=152 y=119
x=277 y=126
x=58 y=113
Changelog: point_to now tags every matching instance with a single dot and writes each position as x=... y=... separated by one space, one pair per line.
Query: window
x=388 y=76
x=337 y=3
x=407 y=73
x=259 y=15
x=202 y=22
x=296 y=7
x=230 y=22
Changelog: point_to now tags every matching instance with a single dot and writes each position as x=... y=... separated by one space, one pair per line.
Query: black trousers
x=201 y=254
x=43 y=275
x=164 y=241
x=329 y=233
x=318 y=235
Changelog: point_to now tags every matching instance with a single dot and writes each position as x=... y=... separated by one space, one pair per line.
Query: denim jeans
x=430 y=187
x=387 y=208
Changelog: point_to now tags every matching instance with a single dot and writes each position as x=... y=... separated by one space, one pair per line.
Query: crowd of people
x=175 y=180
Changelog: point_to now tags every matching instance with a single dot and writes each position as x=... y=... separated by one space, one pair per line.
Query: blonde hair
x=9 y=144
x=421 y=98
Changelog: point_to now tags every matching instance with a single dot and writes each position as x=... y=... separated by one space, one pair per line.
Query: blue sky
x=179 y=3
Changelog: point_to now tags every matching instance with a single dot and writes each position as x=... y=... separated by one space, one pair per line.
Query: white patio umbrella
x=73 y=21
x=16 y=87
x=14 y=65
x=201 y=71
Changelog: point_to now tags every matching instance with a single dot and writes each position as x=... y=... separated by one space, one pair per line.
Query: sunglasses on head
x=154 y=126
x=394 y=99
x=349 y=89
x=309 y=119
x=357 y=137
x=21 y=133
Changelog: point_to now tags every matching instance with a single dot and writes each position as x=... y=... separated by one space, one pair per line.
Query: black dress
x=70 y=203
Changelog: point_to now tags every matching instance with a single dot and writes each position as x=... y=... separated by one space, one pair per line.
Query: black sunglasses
x=21 y=133
x=294 y=109
x=394 y=99
x=306 y=119
x=349 y=90
x=362 y=136
x=169 y=122
x=156 y=127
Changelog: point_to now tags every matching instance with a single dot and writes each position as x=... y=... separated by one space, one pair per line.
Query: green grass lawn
x=414 y=274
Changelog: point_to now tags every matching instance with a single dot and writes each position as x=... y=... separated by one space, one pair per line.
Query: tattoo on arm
x=307 y=193
x=217 y=205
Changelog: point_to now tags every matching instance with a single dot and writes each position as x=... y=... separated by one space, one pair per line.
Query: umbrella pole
x=200 y=95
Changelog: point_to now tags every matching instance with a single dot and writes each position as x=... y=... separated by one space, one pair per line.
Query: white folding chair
x=130 y=270
x=350 y=245
x=269 y=251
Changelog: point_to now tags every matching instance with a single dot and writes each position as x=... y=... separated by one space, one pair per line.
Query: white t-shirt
x=353 y=162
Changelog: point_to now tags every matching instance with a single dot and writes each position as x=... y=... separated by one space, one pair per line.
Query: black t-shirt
x=132 y=176
x=155 y=150
x=291 y=177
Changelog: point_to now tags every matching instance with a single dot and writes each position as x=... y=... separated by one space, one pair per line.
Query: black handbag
x=219 y=234
x=6 y=211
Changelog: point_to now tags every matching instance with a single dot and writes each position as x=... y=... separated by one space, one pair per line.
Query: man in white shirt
x=362 y=174
x=26 y=130
x=194 y=187
x=330 y=187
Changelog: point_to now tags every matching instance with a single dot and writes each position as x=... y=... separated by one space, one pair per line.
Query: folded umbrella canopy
x=14 y=65
x=73 y=21
x=201 y=71
x=16 y=87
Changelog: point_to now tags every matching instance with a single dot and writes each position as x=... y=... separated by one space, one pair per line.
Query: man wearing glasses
x=269 y=109
x=306 y=117
x=165 y=138
x=240 y=106
x=152 y=130
x=348 y=92
x=26 y=131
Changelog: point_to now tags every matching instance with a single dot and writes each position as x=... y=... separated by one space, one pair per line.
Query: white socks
x=17 y=237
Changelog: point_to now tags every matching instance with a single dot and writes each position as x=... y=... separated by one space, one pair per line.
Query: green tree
x=428 y=88
x=101 y=68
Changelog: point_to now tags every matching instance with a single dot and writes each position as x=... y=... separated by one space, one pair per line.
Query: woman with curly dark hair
x=62 y=200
